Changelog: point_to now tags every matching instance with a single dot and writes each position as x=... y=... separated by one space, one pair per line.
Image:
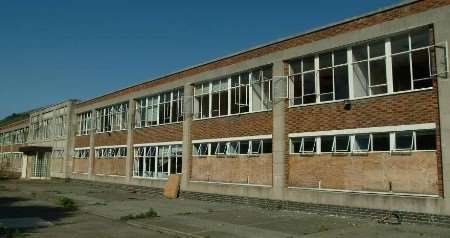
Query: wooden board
x=172 y=186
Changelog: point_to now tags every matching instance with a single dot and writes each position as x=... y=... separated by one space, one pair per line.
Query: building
x=352 y=114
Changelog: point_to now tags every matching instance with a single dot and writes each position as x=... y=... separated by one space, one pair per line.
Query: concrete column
x=92 y=146
x=71 y=130
x=278 y=134
x=187 y=134
x=130 y=142
x=442 y=33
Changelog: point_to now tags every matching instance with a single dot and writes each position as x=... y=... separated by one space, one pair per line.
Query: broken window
x=112 y=118
x=201 y=102
x=411 y=62
x=164 y=108
x=303 y=145
x=159 y=109
x=82 y=153
x=404 y=141
x=302 y=76
x=240 y=93
x=426 y=140
x=362 y=143
x=220 y=148
x=369 y=69
x=201 y=149
x=219 y=98
x=261 y=84
x=327 y=143
x=341 y=143
x=84 y=123
x=380 y=142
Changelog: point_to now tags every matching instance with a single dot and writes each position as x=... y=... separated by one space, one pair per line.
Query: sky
x=54 y=50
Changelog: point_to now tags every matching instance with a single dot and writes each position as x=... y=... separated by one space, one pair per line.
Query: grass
x=67 y=203
x=148 y=214
x=11 y=233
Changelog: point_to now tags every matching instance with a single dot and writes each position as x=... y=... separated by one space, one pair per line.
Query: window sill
x=362 y=98
x=152 y=126
x=231 y=115
x=360 y=153
x=104 y=132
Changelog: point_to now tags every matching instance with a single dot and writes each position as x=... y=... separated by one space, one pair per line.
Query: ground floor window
x=157 y=161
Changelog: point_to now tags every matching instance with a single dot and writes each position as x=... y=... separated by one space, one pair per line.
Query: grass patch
x=148 y=214
x=323 y=228
x=67 y=203
x=11 y=233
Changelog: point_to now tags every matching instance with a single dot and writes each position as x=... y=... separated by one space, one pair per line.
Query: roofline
x=346 y=20
x=54 y=104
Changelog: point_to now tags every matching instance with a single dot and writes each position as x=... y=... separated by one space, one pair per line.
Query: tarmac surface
x=33 y=208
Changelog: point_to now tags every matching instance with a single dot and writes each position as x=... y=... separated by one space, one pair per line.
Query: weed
x=67 y=203
x=149 y=214
x=323 y=228
x=11 y=233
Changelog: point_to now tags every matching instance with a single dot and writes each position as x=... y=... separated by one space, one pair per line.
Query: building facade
x=353 y=114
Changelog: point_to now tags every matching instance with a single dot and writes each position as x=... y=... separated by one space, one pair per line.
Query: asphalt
x=101 y=211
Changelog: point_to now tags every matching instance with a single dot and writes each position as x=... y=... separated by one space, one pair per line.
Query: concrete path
x=190 y=218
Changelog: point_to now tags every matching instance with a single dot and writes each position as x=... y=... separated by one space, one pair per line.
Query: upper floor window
x=84 y=123
x=160 y=109
x=398 y=63
x=241 y=93
x=18 y=136
x=112 y=118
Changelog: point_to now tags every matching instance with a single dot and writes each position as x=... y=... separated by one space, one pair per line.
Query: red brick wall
x=401 y=109
x=251 y=124
x=11 y=148
x=111 y=138
x=408 y=173
x=162 y=133
x=109 y=166
x=82 y=141
x=237 y=169
x=80 y=165
x=344 y=27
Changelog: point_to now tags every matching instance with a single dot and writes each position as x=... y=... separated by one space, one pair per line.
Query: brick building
x=352 y=114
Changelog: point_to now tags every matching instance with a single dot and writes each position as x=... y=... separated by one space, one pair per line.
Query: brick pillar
x=92 y=145
x=187 y=134
x=130 y=142
x=278 y=133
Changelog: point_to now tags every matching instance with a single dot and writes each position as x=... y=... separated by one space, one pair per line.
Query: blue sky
x=53 y=50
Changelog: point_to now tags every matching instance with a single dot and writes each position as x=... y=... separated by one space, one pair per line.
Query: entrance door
x=39 y=167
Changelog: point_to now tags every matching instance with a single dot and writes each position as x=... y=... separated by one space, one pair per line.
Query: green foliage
x=67 y=203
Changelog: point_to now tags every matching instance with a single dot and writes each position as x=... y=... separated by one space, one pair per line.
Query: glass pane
x=325 y=60
x=327 y=143
x=244 y=146
x=342 y=143
x=298 y=89
x=309 y=144
x=361 y=79
x=223 y=103
x=404 y=140
x=215 y=104
x=296 y=143
x=359 y=52
x=426 y=140
x=308 y=64
x=361 y=143
x=401 y=72
x=296 y=67
x=380 y=142
x=376 y=49
x=267 y=146
x=420 y=64
x=340 y=57
x=400 y=43
x=420 y=39
x=326 y=85
x=341 y=82
x=377 y=72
